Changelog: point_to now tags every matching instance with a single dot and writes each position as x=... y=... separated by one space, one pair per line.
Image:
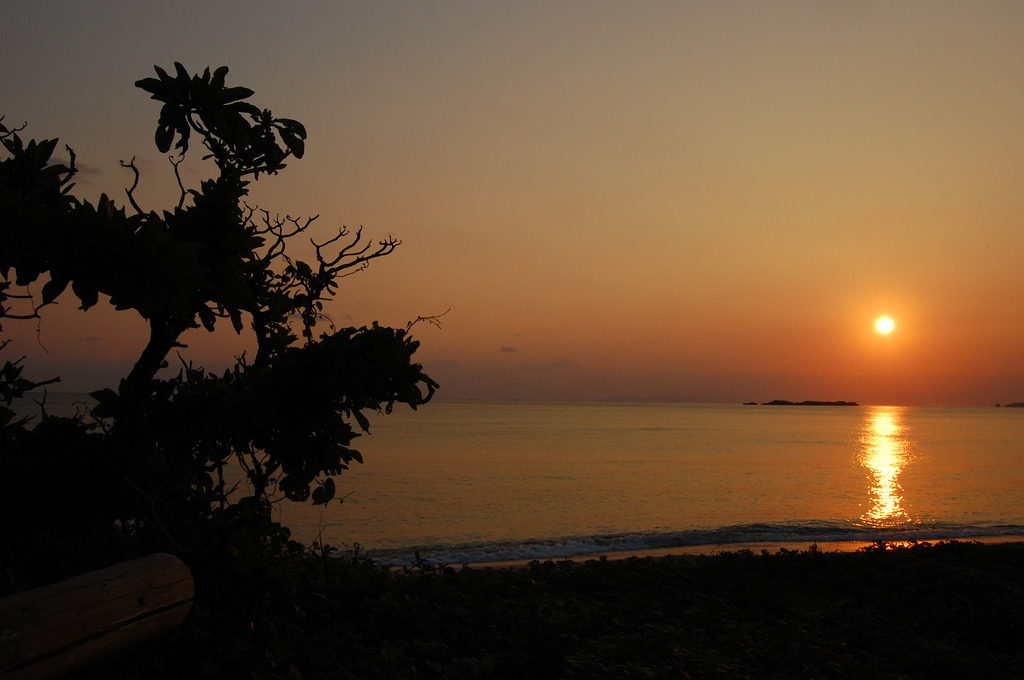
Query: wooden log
x=53 y=630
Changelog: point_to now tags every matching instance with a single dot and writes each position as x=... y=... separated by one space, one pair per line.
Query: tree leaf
x=53 y=288
x=86 y=293
x=294 y=143
x=324 y=493
x=207 y=318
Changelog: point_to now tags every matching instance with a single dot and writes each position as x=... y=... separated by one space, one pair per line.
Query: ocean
x=476 y=482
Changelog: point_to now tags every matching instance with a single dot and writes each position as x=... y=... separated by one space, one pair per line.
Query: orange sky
x=691 y=200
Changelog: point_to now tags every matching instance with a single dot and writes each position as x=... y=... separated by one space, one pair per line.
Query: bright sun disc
x=885 y=325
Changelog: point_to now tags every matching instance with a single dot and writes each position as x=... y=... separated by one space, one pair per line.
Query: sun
x=884 y=325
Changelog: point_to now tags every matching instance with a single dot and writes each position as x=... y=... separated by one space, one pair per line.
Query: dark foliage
x=949 y=610
x=156 y=465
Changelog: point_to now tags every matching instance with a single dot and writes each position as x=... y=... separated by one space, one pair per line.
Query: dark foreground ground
x=953 y=610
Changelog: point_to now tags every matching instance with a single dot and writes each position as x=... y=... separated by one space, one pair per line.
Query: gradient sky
x=704 y=201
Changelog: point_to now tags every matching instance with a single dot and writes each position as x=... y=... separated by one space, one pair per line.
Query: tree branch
x=131 y=190
x=177 y=176
x=72 y=171
x=434 y=320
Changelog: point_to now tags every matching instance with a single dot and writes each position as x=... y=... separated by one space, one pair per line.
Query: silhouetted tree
x=149 y=468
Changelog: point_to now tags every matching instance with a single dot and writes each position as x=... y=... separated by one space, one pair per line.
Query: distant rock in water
x=1016 y=404
x=783 y=402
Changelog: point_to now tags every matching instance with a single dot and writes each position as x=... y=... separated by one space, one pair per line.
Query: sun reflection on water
x=885 y=452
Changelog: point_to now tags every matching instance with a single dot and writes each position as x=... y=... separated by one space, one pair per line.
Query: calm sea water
x=468 y=482
x=473 y=481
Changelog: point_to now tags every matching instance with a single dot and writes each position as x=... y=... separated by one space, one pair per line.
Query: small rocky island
x=783 y=402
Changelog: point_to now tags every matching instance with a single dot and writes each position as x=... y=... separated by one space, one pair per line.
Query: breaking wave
x=720 y=539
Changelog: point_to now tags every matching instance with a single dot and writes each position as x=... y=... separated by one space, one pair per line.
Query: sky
x=692 y=201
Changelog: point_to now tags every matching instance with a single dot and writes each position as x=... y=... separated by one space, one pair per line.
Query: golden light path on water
x=885 y=452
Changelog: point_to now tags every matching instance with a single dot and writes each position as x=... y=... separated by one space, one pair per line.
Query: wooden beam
x=53 y=630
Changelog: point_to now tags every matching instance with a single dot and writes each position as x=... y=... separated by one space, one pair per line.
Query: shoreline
x=755 y=547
